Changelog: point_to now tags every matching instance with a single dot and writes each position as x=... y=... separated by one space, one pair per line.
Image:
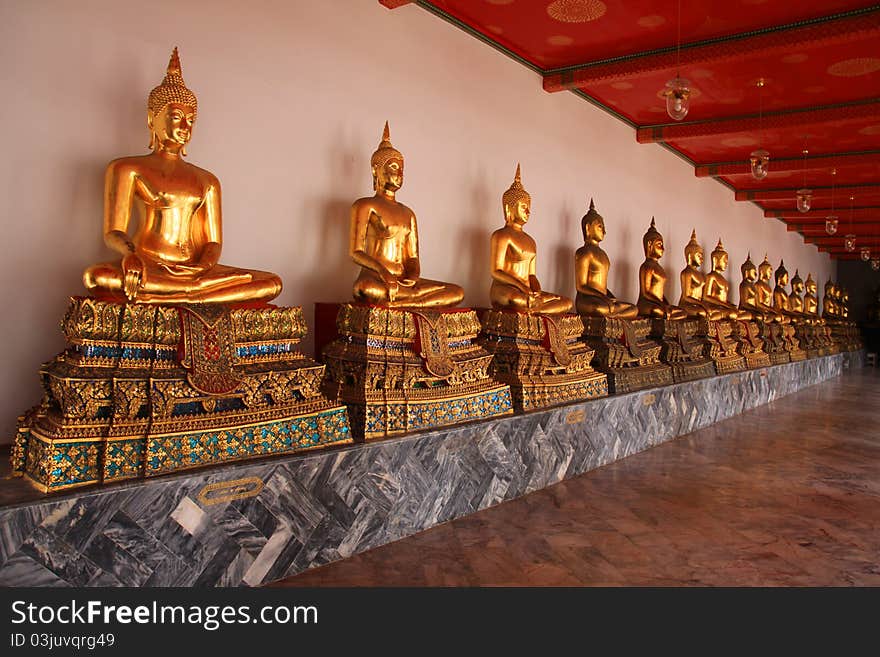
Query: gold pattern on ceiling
x=851 y=68
x=576 y=11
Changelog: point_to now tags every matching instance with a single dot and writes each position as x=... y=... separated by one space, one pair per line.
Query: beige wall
x=292 y=97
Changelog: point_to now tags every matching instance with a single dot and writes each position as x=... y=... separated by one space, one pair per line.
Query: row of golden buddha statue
x=175 y=361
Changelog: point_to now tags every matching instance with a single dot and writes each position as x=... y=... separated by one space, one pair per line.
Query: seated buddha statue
x=843 y=302
x=811 y=297
x=750 y=298
x=765 y=292
x=829 y=303
x=717 y=289
x=173 y=254
x=591 y=265
x=796 y=298
x=693 y=284
x=384 y=241
x=514 y=283
x=781 y=302
x=652 y=280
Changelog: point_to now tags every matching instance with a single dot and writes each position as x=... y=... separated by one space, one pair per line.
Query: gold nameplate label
x=648 y=400
x=227 y=491
x=763 y=372
x=575 y=417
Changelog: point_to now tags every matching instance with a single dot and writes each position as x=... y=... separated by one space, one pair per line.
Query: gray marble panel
x=318 y=507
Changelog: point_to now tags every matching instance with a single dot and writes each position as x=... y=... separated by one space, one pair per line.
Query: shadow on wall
x=475 y=249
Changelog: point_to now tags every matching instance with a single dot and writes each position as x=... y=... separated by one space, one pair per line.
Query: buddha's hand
x=177 y=269
x=132 y=275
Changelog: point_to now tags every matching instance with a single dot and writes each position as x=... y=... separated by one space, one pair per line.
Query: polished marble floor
x=787 y=494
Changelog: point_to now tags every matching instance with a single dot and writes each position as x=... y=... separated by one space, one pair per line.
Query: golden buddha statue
x=843 y=305
x=829 y=305
x=796 y=298
x=591 y=265
x=811 y=297
x=717 y=289
x=384 y=241
x=514 y=283
x=749 y=297
x=173 y=255
x=652 y=280
x=765 y=292
x=693 y=284
x=780 y=293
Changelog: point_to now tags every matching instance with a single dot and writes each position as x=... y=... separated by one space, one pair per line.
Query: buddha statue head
x=765 y=270
x=693 y=252
x=593 y=225
x=719 y=258
x=749 y=271
x=810 y=285
x=387 y=165
x=652 y=241
x=516 y=202
x=797 y=284
x=171 y=111
x=781 y=275
x=830 y=292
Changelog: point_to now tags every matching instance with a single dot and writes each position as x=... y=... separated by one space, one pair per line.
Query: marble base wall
x=260 y=521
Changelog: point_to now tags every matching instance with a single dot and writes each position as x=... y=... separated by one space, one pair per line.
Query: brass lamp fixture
x=760 y=158
x=831 y=219
x=804 y=195
x=678 y=90
x=849 y=240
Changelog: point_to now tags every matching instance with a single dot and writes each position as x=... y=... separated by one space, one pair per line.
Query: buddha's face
x=765 y=272
x=518 y=212
x=696 y=258
x=173 y=124
x=655 y=248
x=798 y=287
x=596 y=230
x=390 y=175
x=719 y=262
x=750 y=273
x=782 y=279
x=811 y=288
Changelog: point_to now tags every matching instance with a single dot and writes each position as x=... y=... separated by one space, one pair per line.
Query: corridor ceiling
x=820 y=62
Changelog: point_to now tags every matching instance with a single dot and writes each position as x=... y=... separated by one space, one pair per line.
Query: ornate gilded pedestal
x=807 y=335
x=750 y=344
x=625 y=353
x=721 y=345
x=774 y=341
x=143 y=390
x=541 y=358
x=400 y=371
x=681 y=348
x=792 y=344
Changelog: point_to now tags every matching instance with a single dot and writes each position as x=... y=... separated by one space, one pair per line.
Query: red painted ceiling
x=732 y=43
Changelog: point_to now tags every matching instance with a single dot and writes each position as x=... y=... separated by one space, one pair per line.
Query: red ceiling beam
x=818 y=192
x=394 y=4
x=736 y=48
x=858 y=227
x=870 y=158
x=683 y=132
x=819 y=215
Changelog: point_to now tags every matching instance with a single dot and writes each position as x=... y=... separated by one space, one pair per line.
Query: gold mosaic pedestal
x=773 y=338
x=143 y=390
x=792 y=344
x=401 y=371
x=845 y=335
x=806 y=335
x=681 y=348
x=541 y=358
x=721 y=345
x=750 y=344
x=625 y=353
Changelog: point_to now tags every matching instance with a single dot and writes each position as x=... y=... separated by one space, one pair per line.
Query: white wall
x=292 y=98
